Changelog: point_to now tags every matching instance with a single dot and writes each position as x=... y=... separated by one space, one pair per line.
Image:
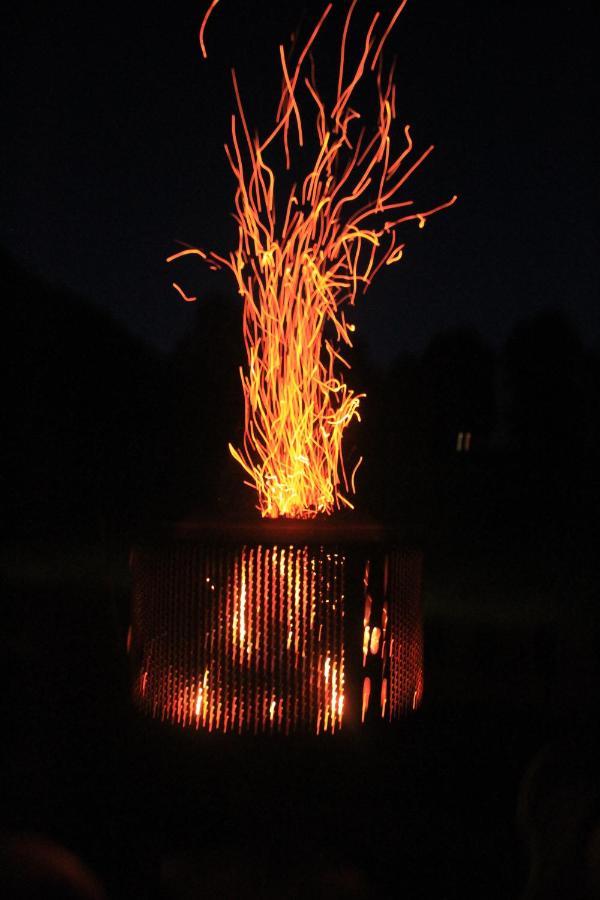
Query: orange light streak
x=366 y=641
x=386 y=33
x=188 y=252
x=365 y=697
x=303 y=254
x=203 y=26
x=182 y=293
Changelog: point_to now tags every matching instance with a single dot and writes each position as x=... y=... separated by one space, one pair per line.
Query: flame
x=300 y=261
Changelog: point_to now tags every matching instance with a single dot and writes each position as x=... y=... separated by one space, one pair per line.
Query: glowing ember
x=300 y=261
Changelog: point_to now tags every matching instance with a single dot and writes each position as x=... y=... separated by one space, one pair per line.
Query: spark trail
x=303 y=254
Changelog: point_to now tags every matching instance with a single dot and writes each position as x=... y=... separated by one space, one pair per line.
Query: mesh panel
x=246 y=639
x=406 y=634
x=392 y=639
x=265 y=638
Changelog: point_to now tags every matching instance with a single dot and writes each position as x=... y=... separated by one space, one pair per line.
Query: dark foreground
x=439 y=807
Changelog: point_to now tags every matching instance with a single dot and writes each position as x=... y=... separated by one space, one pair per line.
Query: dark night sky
x=116 y=126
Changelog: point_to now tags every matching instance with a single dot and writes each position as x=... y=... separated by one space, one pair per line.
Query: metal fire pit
x=279 y=626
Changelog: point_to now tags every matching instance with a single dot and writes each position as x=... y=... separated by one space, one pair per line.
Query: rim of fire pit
x=320 y=530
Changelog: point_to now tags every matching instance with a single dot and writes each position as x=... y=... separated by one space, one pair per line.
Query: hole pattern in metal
x=247 y=639
x=256 y=638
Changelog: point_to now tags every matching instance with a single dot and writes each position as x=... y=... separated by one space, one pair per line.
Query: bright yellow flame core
x=299 y=262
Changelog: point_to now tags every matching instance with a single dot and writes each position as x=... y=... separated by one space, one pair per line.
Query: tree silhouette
x=458 y=375
x=208 y=412
x=545 y=370
x=87 y=412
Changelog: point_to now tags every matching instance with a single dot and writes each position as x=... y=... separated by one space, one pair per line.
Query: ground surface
x=425 y=810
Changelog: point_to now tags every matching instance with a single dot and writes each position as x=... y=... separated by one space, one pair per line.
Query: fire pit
x=283 y=626
x=296 y=622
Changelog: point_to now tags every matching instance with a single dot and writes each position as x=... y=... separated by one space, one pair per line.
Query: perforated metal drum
x=280 y=626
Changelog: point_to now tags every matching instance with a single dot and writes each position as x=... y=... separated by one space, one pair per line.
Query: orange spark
x=187 y=252
x=203 y=26
x=183 y=294
x=303 y=254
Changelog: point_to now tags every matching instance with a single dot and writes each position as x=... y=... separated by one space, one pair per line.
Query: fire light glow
x=264 y=638
x=267 y=649
x=303 y=254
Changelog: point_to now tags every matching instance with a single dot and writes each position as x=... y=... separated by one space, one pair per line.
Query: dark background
x=116 y=126
x=121 y=401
